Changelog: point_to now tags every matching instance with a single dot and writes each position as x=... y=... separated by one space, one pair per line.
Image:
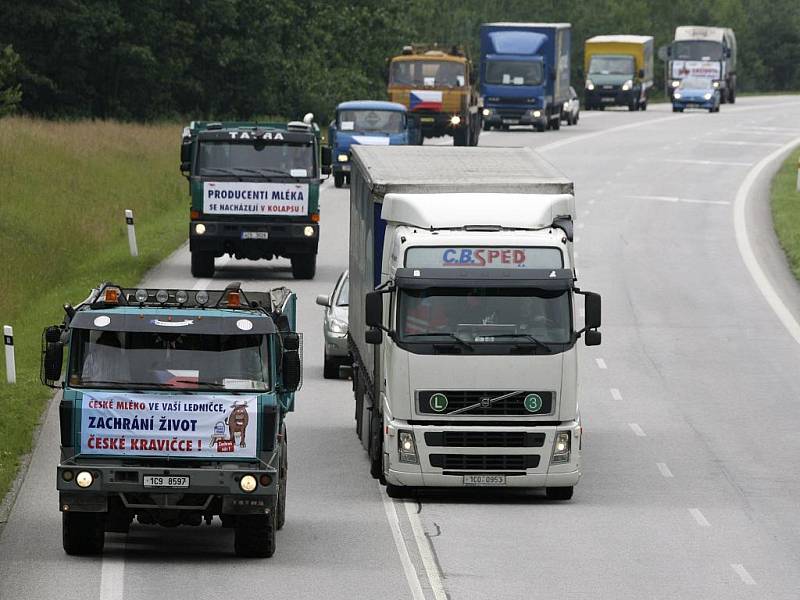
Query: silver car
x=335 y=327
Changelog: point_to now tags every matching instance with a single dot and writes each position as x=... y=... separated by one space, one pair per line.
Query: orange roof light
x=234 y=299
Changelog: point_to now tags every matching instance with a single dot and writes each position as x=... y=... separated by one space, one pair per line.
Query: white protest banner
x=252 y=198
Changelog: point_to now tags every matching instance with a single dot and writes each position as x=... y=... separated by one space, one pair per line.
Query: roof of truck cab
x=371 y=105
x=699 y=32
x=443 y=169
x=620 y=39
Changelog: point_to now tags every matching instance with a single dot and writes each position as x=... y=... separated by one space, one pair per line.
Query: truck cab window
x=420 y=73
x=372 y=120
x=697 y=50
x=214 y=156
x=512 y=72
x=611 y=65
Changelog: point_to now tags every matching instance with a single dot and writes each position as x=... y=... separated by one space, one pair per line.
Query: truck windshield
x=388 y=121
x=512 y=72
x=116 y=359
x=429 y=73
x=484 y=316
x=696 y=50
x=248 y=159
x=611 y=65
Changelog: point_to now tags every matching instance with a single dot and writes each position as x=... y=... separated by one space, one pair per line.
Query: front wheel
x=644 y=105
x=399 y=491
x=375 y=445
x=330 y=368
x=338 y=179
x=202 y=264
x=559 y=493
x=83 y=533
x=555 y=124
x=254 y=535
x=304 y=266
x=461 y=136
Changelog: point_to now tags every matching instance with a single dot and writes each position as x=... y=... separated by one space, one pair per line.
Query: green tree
x=10 y=89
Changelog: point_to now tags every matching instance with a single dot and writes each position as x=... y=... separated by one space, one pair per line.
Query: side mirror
x=326 y=160
x=592 y=337
x=291 y=364
x=186 y=152
x=323 y=300
x=52 y=356
x=641 y=73
x=185 y=167
x=374 y=310
x=728 y=53
x=592 y=310
x=373 y=336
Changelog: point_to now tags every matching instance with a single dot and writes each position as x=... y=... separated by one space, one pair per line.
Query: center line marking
x=425 y=552
x=112 y=577
x=676 y=199
x=400 y=543
x=617 y=396
x=637 y=430
x=601 y=363
x=699 y=517
x=664 y=469
x=743 y=574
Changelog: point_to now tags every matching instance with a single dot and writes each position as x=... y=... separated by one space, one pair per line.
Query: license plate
x=166 y=481
x=484 y=480
x=510 y=121
x=255 y=235
x=606 y=99
x=426 y=120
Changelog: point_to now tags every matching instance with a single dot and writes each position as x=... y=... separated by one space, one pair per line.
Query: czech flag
x=425 y=100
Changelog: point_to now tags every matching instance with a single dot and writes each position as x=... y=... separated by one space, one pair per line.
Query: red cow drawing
x=237 y=423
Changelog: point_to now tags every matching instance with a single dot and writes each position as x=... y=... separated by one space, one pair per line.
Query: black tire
x=399 y=491
x=644 y=105
x=304 y=266
x=338 y=179
x=83 y=533
x=280 y=505
x=540 y=127
x=254 y=535
x=461 y=136
x=559 y=493
x=577 y=118
x=202 y=264
x=504 y=127
x=486 y=126
x=330 y=368
x=555 y=124
x=632 y=106
x=732 y=95
x=358 y=392
x=375 y=445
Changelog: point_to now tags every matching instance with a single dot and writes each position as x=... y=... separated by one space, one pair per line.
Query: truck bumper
x=613 y=97
x=505 y=115
x=127 y=484
x=254 y=239
x=438 y=124
x=524 y=466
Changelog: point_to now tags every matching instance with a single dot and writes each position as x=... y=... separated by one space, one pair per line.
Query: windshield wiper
x=93 y=382
x=200 y=383
x=452 y=336
x=527 y=336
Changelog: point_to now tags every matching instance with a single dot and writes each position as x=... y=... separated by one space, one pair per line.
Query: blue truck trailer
x=524 y=74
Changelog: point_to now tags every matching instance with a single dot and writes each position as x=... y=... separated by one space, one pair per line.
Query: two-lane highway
x=689 y=406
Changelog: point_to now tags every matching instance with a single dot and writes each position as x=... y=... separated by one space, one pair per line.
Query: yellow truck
x=437 y=88
x=619 y=71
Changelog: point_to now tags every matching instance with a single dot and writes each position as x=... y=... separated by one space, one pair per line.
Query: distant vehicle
x=369 y=122
x=703 y=52
x=438 y=87
x=572 y=108
x=696 y=92
x=619 y=71
x=334 y=327
x=254 y=191
x=524 y=74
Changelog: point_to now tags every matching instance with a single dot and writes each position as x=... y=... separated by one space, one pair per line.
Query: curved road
x=691 y=410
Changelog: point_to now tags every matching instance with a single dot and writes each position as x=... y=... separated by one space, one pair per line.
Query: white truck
x=705 y=52
x=463 y=318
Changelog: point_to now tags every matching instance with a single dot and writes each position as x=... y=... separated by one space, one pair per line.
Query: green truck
x=172 y=411
x=254 y=192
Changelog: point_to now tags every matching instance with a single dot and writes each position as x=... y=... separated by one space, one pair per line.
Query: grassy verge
x=786 y=210
x=65 y=187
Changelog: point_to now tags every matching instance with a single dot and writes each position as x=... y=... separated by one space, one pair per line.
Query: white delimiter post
x=131 y=233
x=11 y=366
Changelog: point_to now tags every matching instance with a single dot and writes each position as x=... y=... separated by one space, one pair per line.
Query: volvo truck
x=619 y=71
x=703 y=52
x=463 y=319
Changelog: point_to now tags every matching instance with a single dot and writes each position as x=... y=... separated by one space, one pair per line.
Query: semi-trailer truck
x=463 y=319
x=703 y=52
x=524 y=74
x=619 y=71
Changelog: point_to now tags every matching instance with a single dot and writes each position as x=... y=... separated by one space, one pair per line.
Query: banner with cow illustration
x=203 y=425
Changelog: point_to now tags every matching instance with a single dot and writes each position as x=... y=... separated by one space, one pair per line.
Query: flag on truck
x=425 y=100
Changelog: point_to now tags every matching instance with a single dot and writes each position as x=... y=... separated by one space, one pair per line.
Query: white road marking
x=637 y=430
x=615 y=394
x=425 y=552
x=740 y=143
x=722 y=163
x=743 y=241
x=681 y=200
x=743 y=574
x=112 y=578
x=601 y=364
x=699 y=517
x=768 y=130
x=664 y=470
x=402 y=549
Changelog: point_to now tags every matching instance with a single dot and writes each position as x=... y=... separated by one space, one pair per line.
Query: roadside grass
x=65 y=186
x=786 y=210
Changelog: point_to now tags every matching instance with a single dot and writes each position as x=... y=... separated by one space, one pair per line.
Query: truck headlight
x=536 y=113
x=715 y=84
x=675 y=83
x=486 y=112
x=343 y=158
x=455 y=120
x=199 y=229
x=589 y=85
x=708 y=95
x=677 y=95
x=308 y=231
x=561 y=448
x=338 y=326
x=407 y=447
x=627 y=85
x=248 y=483
x=84 y=479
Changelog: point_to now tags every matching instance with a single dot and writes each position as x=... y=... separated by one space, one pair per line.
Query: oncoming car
x=572 y=108
x=335 y=327
x=696 y=92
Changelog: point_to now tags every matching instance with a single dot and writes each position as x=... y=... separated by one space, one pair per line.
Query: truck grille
x=430 y=402
x=484 y=439
x=511 y=113
x=485 y=462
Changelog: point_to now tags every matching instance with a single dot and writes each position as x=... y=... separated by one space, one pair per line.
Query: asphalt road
x=690 y=406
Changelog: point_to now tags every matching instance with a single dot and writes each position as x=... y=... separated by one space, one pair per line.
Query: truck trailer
x=703 y=52
x=619 y=71
x=524 y=74
x=462 y=318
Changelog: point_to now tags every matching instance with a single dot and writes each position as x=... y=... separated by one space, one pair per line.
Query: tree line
x=167 y=59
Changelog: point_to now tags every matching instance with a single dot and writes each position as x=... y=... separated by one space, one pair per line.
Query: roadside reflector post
x=11 y=365
x=131 y=233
